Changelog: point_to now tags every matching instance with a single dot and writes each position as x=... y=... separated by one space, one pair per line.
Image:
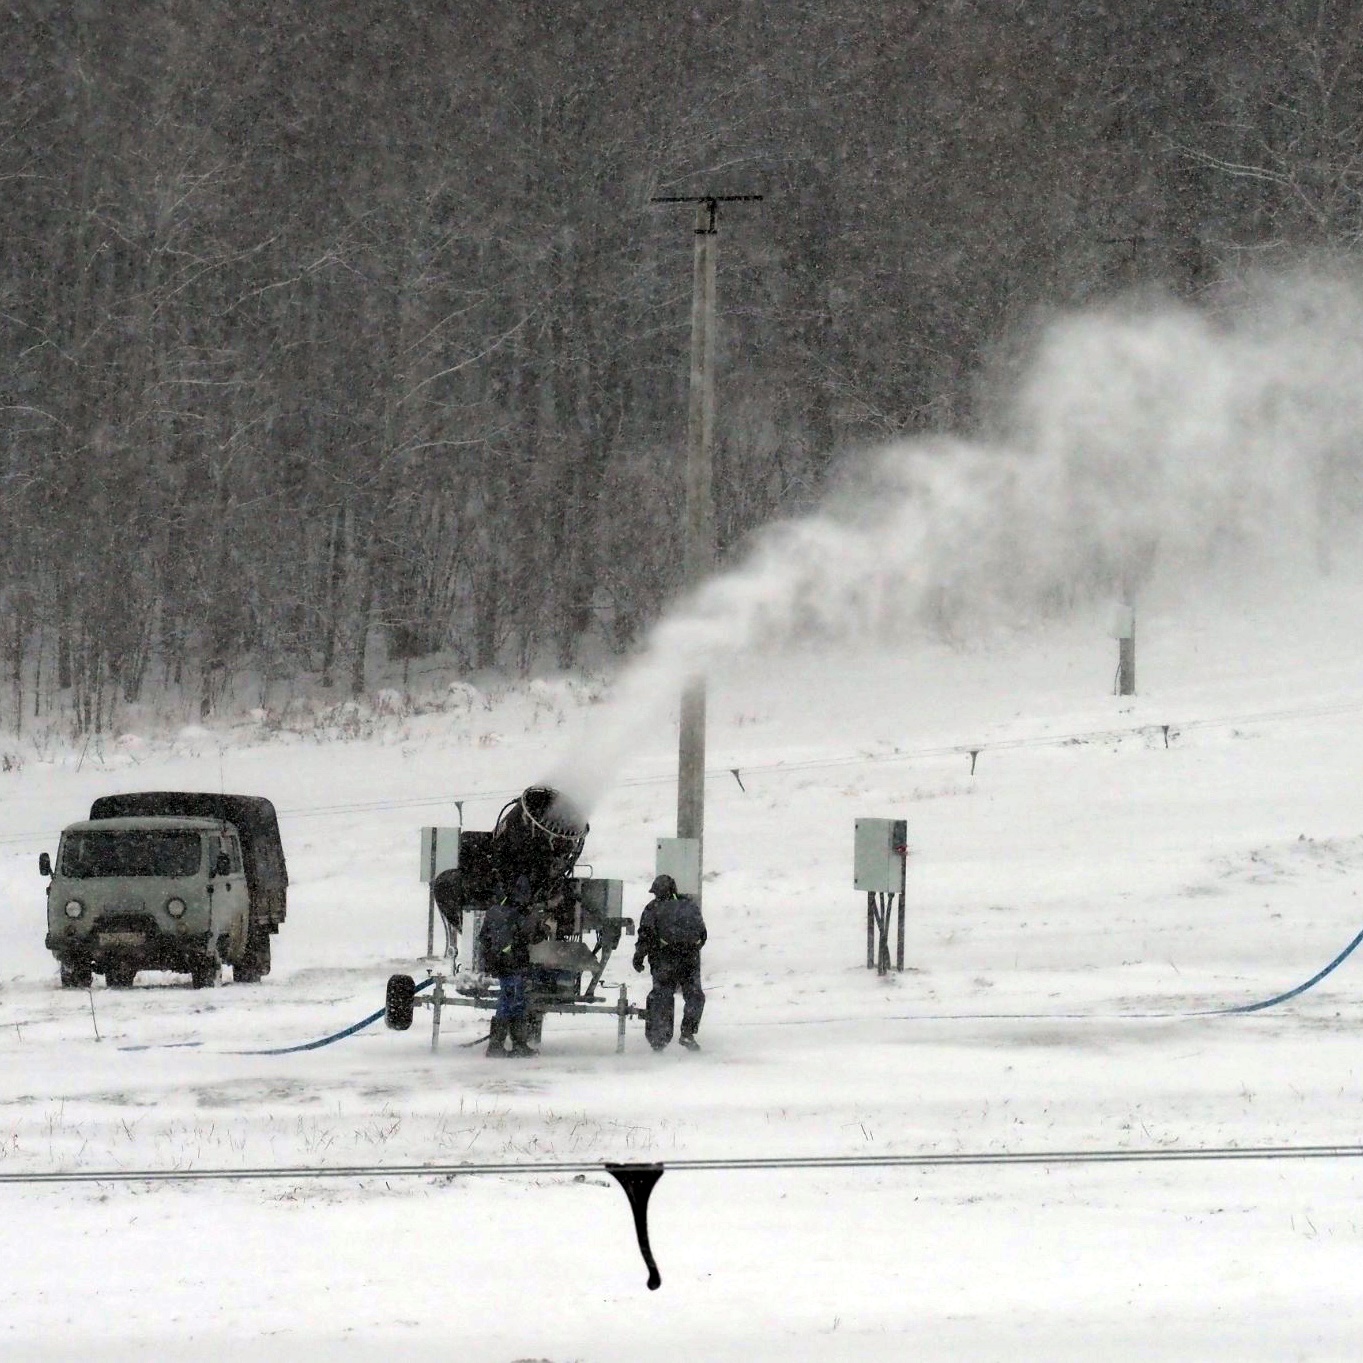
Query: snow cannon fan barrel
x=537 y=839
x=551 y=814
x=539 y=835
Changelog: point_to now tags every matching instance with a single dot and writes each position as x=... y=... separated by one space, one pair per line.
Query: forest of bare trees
x=328 y=329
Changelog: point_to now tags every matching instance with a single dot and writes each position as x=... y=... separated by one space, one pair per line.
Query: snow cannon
x=530 y=854
x=528 y=859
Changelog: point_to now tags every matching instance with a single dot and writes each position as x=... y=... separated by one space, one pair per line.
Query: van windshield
x=130 y=852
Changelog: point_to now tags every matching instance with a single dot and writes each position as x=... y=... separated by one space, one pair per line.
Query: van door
x=240 y=896
x=230 y=902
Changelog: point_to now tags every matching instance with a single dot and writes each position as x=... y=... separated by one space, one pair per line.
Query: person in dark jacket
x=508 y=930
x=671 y=935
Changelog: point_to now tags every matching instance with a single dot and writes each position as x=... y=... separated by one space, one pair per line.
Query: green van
x=166 y=881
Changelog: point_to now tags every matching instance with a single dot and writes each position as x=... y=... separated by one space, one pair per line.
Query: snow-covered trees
x=319 y=325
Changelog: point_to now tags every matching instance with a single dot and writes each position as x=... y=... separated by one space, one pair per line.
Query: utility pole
x=1124 y=631
x=700 y=511
x=1126 y=659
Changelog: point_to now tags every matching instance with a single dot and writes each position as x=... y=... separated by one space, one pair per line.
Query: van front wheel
x=205 y=974
x=77 y=976
x=120 y=974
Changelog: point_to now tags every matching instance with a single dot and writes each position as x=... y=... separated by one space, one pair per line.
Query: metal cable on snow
x=543 y=1168
x=638 y=1179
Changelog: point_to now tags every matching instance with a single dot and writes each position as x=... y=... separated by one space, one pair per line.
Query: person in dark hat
x=671 y=935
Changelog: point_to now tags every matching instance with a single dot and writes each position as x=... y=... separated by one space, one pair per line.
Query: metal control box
x=680 y=859
x=439 y=851
x=602 y=898
x=878 y=853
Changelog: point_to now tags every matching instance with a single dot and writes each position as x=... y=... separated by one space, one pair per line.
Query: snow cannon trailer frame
x=402 y=999
x=531 y=853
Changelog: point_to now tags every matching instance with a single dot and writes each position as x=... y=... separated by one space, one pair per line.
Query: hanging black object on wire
x=638 y=1181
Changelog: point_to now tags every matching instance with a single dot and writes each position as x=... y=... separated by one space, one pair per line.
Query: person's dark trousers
x=670 y=973
x=511 y=1000
x=513 y=1013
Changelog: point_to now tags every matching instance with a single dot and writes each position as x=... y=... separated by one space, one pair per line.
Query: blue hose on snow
x=1201 y=1013
x=1291 y=993
x=1206 y=1012
x=335 y=1036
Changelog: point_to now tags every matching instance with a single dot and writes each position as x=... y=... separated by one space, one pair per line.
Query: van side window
x=214 y=847
x=233 y=848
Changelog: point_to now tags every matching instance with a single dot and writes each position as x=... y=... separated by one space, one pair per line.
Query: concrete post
x=1126 y=654
x=700 y=515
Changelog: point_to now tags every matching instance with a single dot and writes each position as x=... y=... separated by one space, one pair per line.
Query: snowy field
x=1098 y=880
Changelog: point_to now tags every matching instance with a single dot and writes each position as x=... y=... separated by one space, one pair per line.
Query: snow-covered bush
x=392 y=702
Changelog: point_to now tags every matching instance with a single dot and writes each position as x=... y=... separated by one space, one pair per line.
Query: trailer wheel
x=398 y=1004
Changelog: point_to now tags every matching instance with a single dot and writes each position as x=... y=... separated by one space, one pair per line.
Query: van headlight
x=175 y=907
x=74 y=908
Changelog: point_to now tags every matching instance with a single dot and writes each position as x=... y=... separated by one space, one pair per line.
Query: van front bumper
x=147 y=940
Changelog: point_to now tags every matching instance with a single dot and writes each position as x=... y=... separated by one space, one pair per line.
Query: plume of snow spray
x=1138 y=450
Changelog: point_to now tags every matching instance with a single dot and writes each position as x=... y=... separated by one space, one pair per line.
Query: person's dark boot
x=689 y=1042
x=519 y=1030
x=496 y=1038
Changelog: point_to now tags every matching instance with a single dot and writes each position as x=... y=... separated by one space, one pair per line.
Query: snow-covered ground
x=1094 y=873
